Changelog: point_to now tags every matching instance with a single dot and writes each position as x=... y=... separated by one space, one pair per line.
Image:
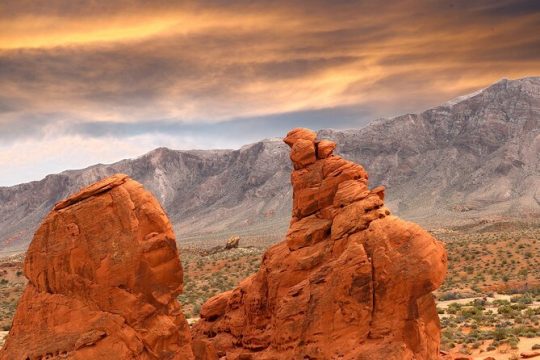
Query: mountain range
x=475 y=158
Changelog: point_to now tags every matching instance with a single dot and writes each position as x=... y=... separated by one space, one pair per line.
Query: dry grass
x=483 y=261
x=12 y=283
x=209 y=275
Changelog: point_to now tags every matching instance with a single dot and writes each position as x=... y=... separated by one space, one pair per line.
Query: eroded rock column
x=350 y=281
x=104 y=274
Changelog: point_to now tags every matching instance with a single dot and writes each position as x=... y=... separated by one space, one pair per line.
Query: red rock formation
x=350 y=281
x=530 y=354
x=103 y=273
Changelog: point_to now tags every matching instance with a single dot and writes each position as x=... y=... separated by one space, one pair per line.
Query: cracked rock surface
x=104 y=274
x=350 y=281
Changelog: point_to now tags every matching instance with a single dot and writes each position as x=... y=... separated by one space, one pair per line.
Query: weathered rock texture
x=103 y=273
x=349 y=282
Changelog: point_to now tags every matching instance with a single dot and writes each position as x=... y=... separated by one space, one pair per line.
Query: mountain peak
x=447 y=165
x=462 y=98
x=522 y=84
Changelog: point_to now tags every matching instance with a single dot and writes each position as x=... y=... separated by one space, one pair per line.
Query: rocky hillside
x=473 y=158
x=243 y=191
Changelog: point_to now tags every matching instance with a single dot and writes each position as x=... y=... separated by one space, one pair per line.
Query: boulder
x=349 y=281
x=104 y=276
x=232 y=243
x=300 y=134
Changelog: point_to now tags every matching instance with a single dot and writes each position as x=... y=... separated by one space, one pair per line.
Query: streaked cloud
x=229 y=71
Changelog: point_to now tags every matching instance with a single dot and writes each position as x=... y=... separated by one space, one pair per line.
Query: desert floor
x=489 y=304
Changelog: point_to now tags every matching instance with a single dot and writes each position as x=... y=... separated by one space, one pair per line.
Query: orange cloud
x=128 y=60
x=37 y=31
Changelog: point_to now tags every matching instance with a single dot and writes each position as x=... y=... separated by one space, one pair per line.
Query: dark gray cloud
x=212 y=68
x=250 y=129
x=245 y=69
x=14 y=127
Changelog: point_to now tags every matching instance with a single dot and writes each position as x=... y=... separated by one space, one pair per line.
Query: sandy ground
x=444 y=304
x=505 y=353
x=3 y=334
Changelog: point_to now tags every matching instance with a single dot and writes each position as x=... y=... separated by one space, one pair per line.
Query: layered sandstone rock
x=103 y=273
x=350 y=281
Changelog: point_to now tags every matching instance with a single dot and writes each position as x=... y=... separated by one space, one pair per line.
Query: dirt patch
x=3 y=335
x=505 y=352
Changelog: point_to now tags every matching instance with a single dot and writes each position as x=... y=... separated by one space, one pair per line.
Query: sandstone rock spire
x=350 y=281
x=103 y=273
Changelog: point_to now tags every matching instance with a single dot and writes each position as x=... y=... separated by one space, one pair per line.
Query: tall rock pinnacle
x=103 y=273
x=350 y=281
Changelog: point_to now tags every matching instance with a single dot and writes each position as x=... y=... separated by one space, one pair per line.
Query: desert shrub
x=525 y=299
x=449 y=296
x=500 y=333
x=453 y=308
x=513 y=343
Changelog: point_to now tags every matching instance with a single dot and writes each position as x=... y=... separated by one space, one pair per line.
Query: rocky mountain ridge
x=473 y=158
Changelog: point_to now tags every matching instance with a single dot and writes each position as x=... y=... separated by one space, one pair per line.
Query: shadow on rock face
x=350 y=281
x=104 y=274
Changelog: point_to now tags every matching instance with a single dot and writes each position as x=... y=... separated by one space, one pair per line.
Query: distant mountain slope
x=476 y=157
x=202 y=191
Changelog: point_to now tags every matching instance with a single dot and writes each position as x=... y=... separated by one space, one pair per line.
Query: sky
x=85 y=82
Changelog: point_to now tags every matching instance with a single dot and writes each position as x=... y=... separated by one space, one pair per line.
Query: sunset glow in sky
x=85 y=82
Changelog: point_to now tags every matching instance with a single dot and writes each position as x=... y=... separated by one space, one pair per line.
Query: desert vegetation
x=12 y=282
x=209 y=275
x=500 y=257
x=494 y=323
x=489 y=304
